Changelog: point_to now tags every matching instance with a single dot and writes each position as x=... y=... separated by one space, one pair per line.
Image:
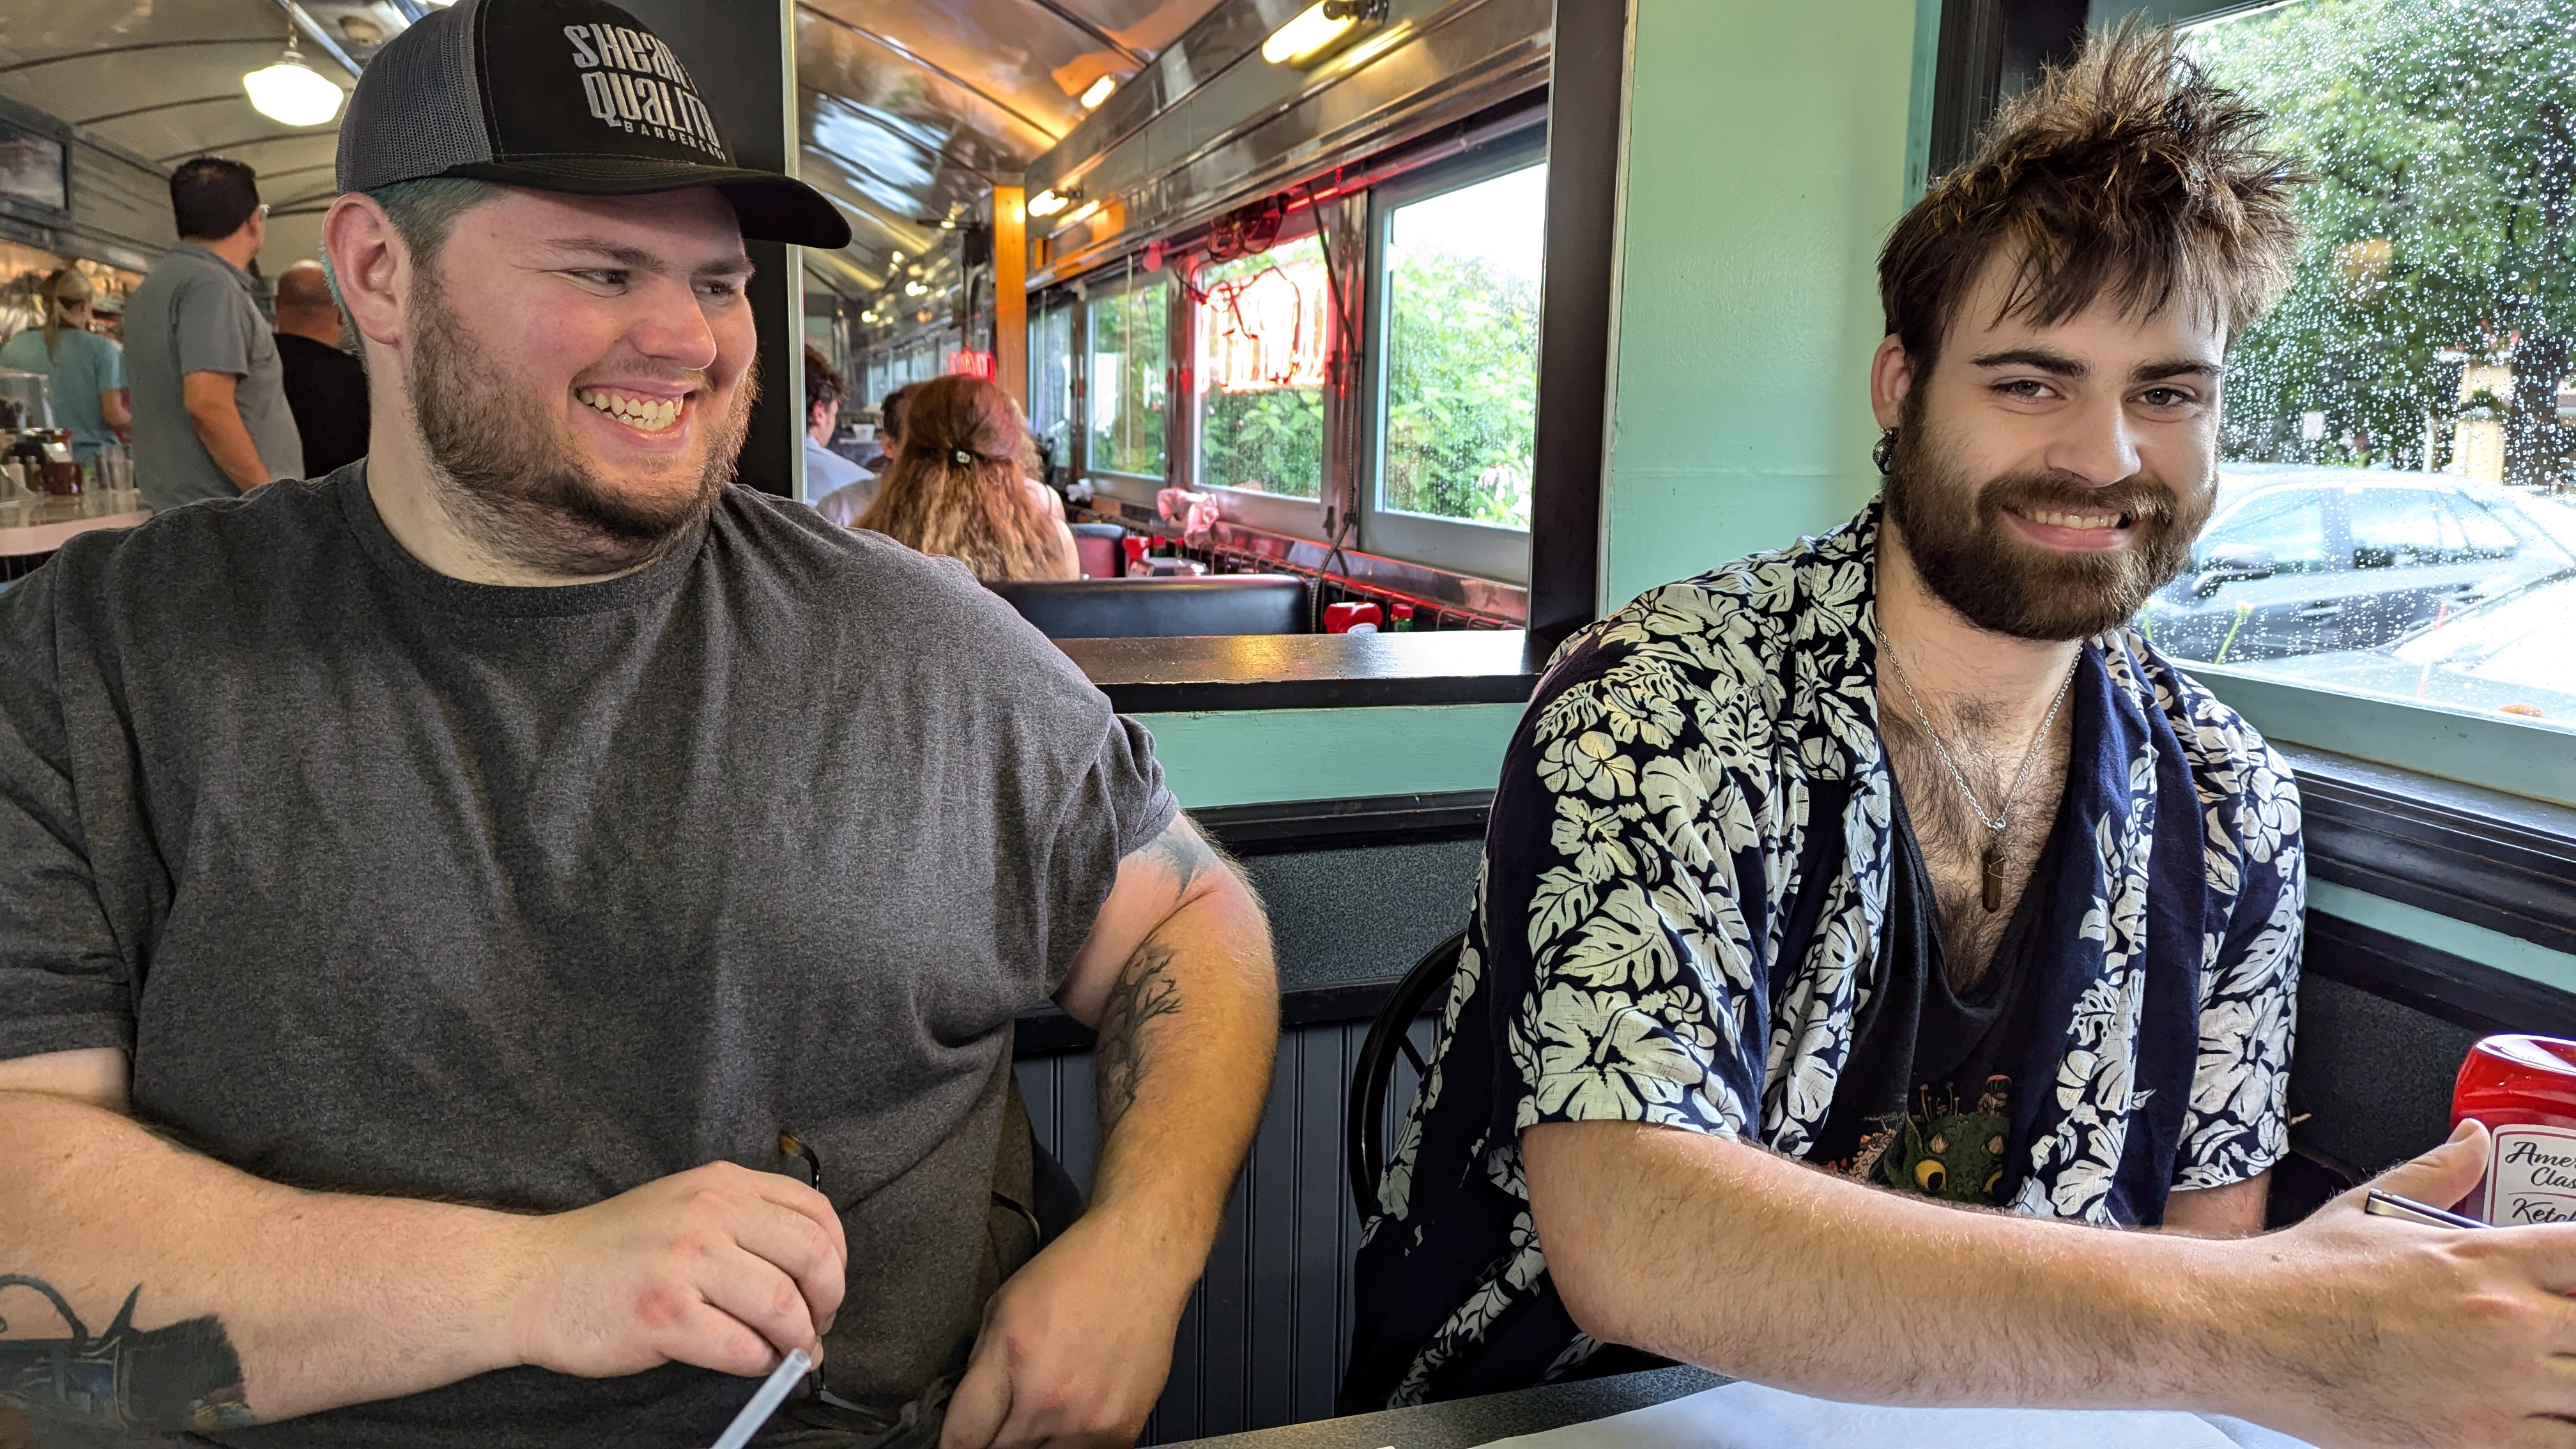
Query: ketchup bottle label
x=2532 y=1177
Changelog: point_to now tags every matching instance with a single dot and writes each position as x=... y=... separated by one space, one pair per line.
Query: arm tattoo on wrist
x=183 y=1377
x=1144 y=991
x=1183 y=854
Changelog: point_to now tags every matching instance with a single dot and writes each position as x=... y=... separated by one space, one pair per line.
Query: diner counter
x=1309 y=671
x=54 y=524
x=1465 y=1423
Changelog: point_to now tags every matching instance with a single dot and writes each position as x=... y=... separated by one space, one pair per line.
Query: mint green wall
x=1248 y=756
x=1768 y=148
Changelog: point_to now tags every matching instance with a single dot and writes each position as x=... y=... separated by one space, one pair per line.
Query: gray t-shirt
x=528 y=896
x=194 y=313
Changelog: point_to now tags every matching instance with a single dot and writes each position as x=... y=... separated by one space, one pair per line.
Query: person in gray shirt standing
x=210 y=413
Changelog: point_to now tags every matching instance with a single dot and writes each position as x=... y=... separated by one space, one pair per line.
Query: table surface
x=47 y=526
x=1465 y=1423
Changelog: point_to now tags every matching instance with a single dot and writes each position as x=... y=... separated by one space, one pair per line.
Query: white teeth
x=2075 y=520
x=647 y=415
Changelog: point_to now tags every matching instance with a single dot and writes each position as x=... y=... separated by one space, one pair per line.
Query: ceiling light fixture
x=898 y=256
x=1048 y=203
x=292 y=93
x=1319 y=29
x=867 y=316
x=914 y=289
x=1098 y=91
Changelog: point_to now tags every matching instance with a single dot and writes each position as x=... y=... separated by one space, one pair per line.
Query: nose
x=2098 y=443
x=672 y=328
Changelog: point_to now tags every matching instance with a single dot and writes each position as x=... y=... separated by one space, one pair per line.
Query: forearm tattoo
x=1183 y=853
x=1144 y=991
x=184 y=1377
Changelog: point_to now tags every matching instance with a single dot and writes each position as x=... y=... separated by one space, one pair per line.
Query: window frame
x=1484 y=550
x=1269 y=512
x=1117 y=280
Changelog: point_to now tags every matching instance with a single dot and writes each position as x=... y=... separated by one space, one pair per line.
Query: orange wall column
x=1011 y=293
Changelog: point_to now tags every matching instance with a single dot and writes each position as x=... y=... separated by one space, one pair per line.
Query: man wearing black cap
x=501 y=941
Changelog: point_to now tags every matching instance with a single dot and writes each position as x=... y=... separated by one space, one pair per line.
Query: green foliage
x=2443 y=216
x=1131 y=332
x=1461 y=389
x=1272 y=440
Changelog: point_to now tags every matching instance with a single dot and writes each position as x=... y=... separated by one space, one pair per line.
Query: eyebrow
x=2060 y=365
x=638 y=259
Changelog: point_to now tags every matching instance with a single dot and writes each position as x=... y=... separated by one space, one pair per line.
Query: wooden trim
x=1011 y=293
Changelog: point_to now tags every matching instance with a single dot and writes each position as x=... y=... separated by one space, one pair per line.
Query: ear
x=371 y=266
x=1891 y=377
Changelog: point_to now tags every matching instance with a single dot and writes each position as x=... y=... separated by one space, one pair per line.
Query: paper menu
x=1749 y=1416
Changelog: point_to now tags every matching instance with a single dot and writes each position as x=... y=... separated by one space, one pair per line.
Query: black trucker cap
x=557 y=95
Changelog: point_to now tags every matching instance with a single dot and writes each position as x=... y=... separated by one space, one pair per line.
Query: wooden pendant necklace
x=1992 y=870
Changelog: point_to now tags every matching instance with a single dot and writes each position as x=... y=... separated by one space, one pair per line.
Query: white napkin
x=1749 y=1416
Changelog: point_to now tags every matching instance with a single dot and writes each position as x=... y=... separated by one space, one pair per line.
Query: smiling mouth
x=643 y=414
x=2083 y=521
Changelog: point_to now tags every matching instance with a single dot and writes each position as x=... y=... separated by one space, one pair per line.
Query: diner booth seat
x=1162 y=608
x=1097 y=546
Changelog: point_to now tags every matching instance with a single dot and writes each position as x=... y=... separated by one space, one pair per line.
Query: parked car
x=2516 y=653
x=2300 y=560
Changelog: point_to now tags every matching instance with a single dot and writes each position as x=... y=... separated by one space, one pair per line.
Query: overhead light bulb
x=292 y=93
x=1048 y=203
x=867 y=316
x=914 y=289
x=1308 y=34
x=948 y=223
x=1082 y=213
x=1099 y=91
x=898 y=256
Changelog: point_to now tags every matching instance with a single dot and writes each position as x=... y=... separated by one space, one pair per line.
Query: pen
x=763 y=1404
x=2406 y=1209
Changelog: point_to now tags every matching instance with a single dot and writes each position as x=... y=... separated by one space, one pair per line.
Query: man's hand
x=720 y=1266
x=2382 y=1332
x=1076 y=1346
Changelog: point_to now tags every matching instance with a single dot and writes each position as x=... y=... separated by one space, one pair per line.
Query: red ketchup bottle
x=2524 y=1089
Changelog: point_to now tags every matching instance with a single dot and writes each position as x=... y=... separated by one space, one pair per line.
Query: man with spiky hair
x=1858 y=918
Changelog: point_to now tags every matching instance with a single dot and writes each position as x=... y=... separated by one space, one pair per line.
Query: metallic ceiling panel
x=1229 y=34
x=1256 y=127
x=1144 y=26
x=33 y=29
x=1019 y=54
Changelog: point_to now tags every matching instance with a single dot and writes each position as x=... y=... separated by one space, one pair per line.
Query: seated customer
x=840 y=488
x=504 y=941
x=843 y=505
x=960 y=487
x=1858 y=919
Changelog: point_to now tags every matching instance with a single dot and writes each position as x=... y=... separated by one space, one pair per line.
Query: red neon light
x=963 y=363
x=1268 y=331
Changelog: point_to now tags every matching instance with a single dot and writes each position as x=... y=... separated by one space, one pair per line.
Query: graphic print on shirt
x=633 y=82
x=1940 y=1149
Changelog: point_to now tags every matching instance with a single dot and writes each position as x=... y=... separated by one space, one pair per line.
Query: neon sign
x=1267 y=331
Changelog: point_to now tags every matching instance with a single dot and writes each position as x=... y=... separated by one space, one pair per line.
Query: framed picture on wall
x=34 y=170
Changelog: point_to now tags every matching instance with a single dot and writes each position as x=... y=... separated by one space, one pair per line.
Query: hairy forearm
x=1727 y=1256
x=249 y=1301
x=1187 y=1034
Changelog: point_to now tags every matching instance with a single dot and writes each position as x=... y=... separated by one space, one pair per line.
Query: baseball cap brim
x=770 y=207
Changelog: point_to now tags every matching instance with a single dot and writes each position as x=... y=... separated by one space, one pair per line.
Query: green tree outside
x=1461 y=389
x=2442 y=134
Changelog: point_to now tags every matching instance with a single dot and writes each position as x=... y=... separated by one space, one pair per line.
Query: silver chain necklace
x=1992 y=869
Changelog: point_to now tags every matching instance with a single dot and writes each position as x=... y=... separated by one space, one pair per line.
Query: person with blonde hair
x=960 y=486
x=87 y=370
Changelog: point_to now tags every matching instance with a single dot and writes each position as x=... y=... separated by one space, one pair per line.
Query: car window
x=2290 y=525
x=2402 y=528
x=2488 y=537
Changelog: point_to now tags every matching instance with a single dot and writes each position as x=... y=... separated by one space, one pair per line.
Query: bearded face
x=1960 y=531
x=517 y=480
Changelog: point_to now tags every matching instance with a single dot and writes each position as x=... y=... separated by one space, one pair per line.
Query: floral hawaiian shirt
x=1680 y=912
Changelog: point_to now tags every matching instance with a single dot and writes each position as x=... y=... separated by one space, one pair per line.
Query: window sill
x=1308 y=671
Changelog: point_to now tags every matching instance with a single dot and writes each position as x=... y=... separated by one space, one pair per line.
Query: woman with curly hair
x=959 y=486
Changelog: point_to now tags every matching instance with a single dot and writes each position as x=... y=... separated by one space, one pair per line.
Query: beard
x=1972 y=559
x=511 y=478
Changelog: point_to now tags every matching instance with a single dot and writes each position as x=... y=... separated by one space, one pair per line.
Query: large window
x=1262 y=334
x=1051 y=378
x=1129 y=333
x=1461 y=292
x=2397 y=511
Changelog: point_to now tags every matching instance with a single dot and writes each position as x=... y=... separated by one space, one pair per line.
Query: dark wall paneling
x=2493 y=860
x=2373 y=1076
x=1262 y=1341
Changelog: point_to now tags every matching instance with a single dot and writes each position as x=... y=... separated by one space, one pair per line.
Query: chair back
x=1162 y=608
x=1096 y=544
x=1390 y=1035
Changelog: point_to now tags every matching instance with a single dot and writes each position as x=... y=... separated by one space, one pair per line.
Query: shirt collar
x=195 y=249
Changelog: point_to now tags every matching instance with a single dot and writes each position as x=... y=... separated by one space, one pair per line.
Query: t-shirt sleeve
x=2238 y=1121
x=215 y=326
x=1626 y=982
x=63 y=983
